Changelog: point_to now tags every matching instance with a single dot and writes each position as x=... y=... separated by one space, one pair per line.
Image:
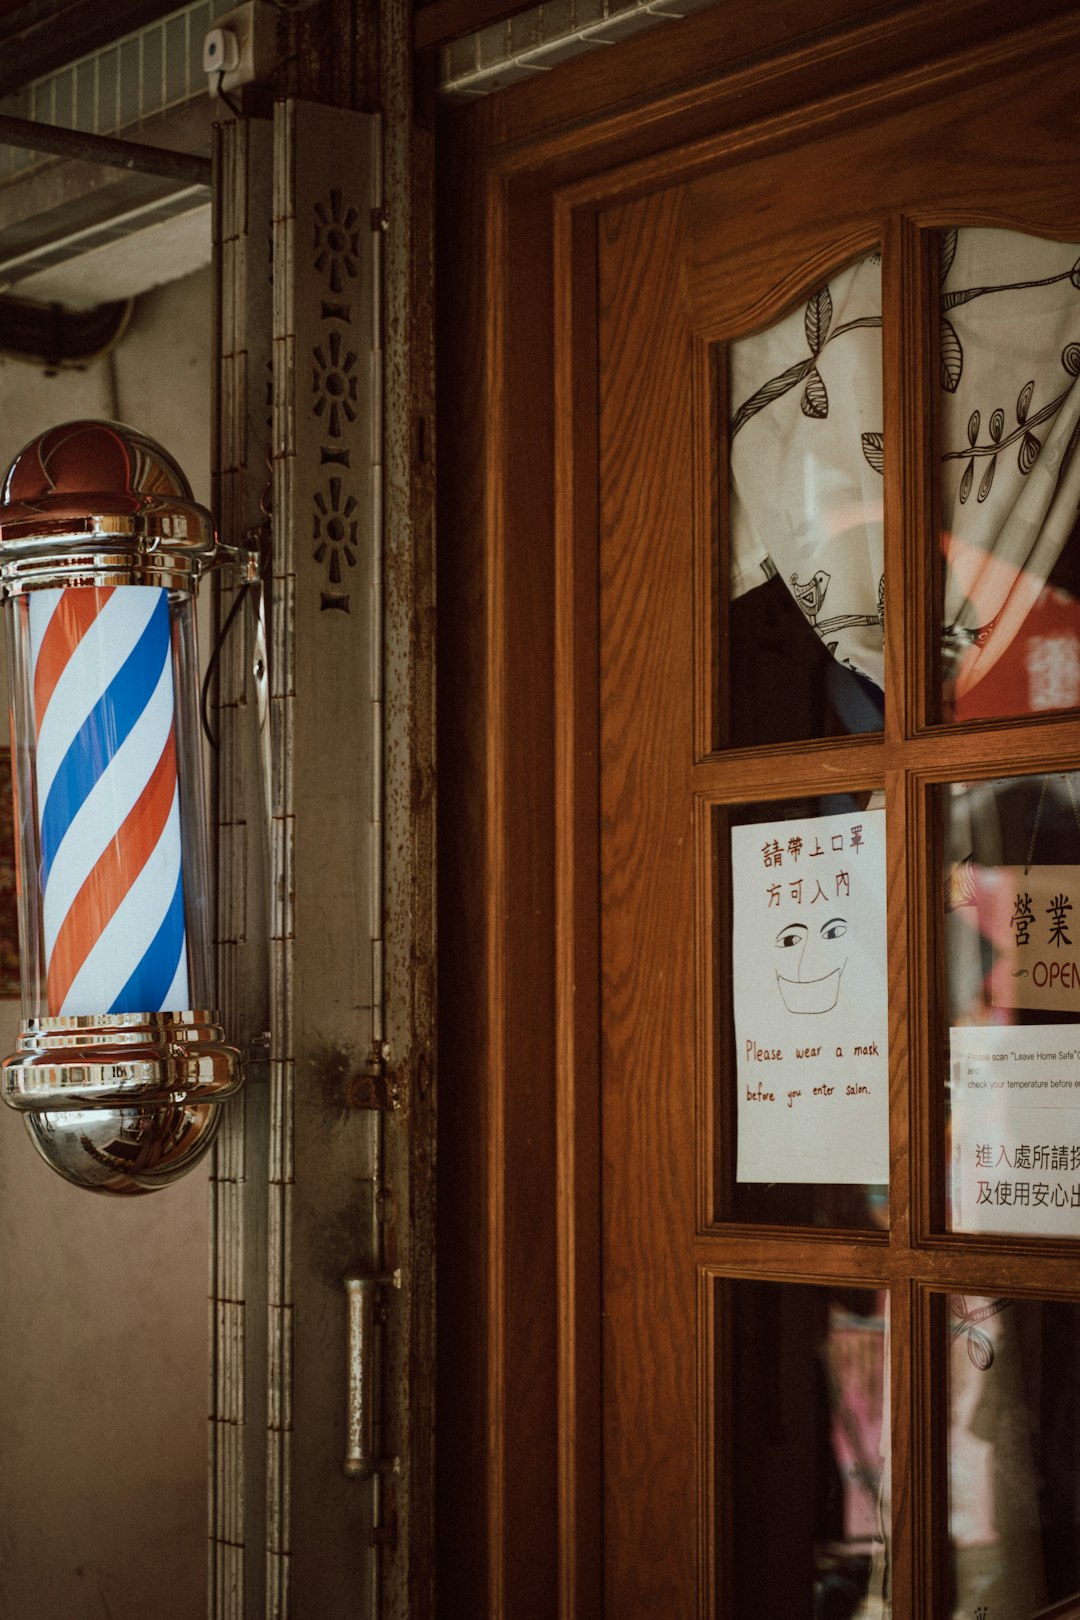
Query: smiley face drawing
x=818 y=962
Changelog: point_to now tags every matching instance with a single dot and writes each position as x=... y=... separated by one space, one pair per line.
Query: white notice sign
x=1015 y=1117
x=808 y=952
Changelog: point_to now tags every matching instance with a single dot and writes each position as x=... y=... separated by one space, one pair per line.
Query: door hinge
x=376 y=1085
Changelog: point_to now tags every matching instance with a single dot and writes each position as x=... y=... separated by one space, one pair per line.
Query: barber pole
x=121 y=1065
x=108 y=801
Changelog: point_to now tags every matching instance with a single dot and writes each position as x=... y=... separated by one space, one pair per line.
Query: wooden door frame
x=522 y=178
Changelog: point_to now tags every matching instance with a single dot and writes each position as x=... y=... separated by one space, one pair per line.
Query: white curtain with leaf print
x=807 y=447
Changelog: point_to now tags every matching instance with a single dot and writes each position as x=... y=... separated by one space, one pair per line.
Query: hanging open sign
x=1031 y=916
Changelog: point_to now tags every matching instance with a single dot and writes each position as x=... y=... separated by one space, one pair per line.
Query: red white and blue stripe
x=108 y=801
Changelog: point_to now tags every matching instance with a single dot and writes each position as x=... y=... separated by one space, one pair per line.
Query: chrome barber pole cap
x=118 y=1075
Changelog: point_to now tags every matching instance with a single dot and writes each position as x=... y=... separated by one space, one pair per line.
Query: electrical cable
x=212 y=663
x=60 y=339
x=223 y=95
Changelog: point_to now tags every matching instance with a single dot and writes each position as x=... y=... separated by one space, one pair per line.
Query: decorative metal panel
x=325 y=1188
x=328 y=1177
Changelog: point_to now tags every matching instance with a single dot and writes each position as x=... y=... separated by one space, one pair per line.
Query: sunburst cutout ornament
x=334 y=384
x=335 y=529
x=337 y=240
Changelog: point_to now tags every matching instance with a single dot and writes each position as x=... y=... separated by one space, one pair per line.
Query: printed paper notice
x=808 y=953
x=1015 y=1118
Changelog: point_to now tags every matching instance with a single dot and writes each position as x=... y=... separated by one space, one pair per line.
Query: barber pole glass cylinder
x=121 y=1067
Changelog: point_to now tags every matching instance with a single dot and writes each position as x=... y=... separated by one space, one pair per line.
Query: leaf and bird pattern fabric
x=807 y=449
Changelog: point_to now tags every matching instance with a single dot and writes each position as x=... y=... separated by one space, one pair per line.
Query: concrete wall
x=103 y=1302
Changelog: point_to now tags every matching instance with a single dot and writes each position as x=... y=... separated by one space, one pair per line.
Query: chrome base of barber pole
x=121 y=1104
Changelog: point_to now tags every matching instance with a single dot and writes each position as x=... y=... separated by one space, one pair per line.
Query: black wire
x=223 y=95
x=211 y=667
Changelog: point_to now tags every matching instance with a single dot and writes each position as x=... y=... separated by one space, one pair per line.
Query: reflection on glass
x=1014 y=1458
x=807 y=574
x=809 y=1487
x=802 y=1099
x=1012 y=976
x=1010 y=479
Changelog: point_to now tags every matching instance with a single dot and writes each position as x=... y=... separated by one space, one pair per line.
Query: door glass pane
x=1012 y=975
x=804 y=495
x=801 y=1012
x=1010 y=478
x=808 y=1371
x=1014 y=1457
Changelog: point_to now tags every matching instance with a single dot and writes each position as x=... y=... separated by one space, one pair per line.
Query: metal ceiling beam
x=436 y=22
x=40 y=35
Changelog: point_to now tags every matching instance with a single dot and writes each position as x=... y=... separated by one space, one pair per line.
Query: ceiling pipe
x=183 y=168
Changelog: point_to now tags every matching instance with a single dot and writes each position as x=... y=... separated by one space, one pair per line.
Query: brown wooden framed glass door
x=622 y=239
x=792 y=1406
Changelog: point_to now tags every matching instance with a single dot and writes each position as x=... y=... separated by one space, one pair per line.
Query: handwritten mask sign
x=1032 y=918
x=810 y=995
